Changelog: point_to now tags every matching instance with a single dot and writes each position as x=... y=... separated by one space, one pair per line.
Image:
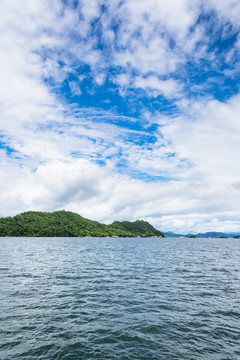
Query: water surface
x=74 y=298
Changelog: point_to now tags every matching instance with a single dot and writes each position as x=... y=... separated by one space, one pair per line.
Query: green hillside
x=137 y=228
x=69 y=224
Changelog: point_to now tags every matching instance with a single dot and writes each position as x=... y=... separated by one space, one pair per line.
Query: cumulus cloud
x=208 y=137
x=97 y=193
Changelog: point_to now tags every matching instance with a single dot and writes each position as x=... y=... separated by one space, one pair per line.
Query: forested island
x=68 y=224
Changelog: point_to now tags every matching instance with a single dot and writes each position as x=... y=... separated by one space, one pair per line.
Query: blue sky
x=122 y=110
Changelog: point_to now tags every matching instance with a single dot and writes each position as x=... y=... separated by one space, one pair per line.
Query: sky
x=122 y=110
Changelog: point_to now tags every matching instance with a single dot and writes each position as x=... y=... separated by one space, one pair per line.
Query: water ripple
x=71 y=299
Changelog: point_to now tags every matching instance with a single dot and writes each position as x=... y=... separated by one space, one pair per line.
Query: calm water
x=70 y=299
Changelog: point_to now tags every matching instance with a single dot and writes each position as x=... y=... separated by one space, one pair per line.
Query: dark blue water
x=70 y=298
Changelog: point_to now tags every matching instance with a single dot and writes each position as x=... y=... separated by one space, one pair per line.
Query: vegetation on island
x=69 y=224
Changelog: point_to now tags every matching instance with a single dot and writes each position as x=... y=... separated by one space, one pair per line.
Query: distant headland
x=68 y=224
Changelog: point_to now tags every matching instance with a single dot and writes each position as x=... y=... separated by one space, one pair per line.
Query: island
x=69 y=224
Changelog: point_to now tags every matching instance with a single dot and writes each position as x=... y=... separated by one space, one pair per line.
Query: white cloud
x=169 y=88
x=95 y=192
x=197 y=148
x=227 y=11
x=146 y=31
x=208 y=137
x=100 y=78
x=154 y=56
x=75 y=88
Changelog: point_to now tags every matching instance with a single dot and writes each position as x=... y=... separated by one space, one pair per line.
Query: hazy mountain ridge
x=69 y=224
x=209 y=234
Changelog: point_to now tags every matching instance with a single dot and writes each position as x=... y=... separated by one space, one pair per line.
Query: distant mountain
x=211 y=234
x=234 y=234
x=69 y=224
x=172 y=234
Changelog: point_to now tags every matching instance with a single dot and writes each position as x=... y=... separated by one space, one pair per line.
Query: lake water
x=76 y=299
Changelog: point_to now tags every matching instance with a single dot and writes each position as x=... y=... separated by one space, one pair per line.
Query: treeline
x=69 y=224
